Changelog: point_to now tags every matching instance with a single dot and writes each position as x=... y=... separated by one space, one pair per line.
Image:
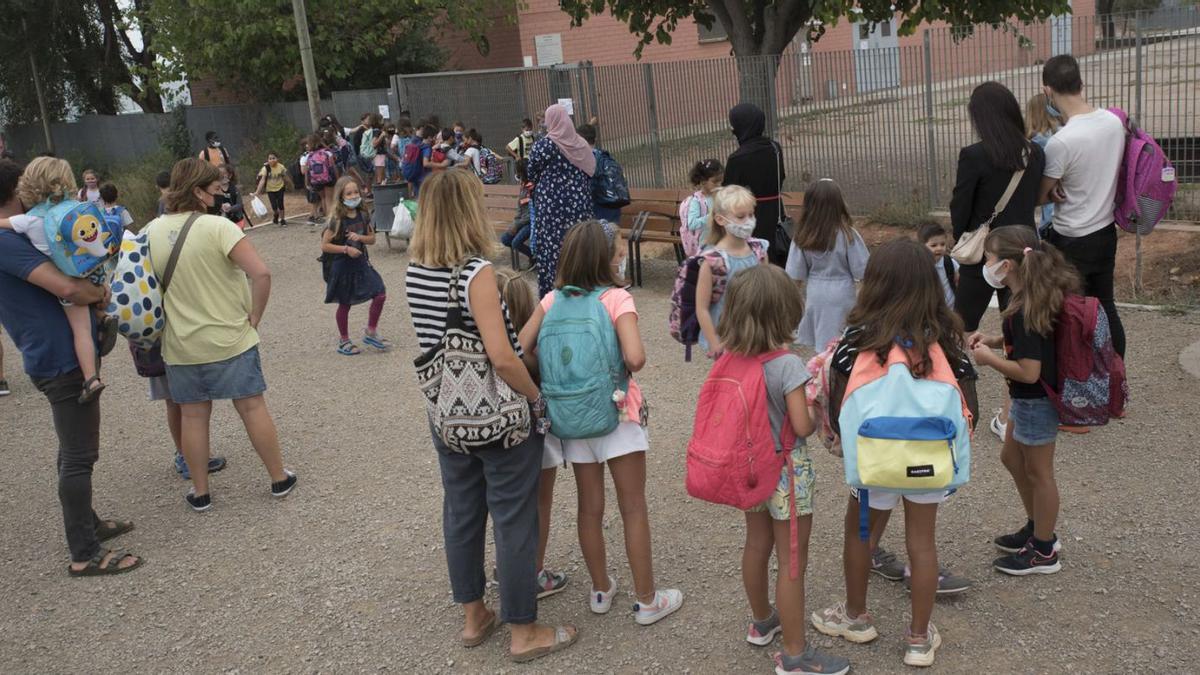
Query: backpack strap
x=948 y=265
x=174 y=259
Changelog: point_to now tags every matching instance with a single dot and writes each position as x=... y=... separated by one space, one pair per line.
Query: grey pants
x=503 y=483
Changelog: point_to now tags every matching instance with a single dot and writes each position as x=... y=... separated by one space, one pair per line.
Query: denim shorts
x=1034 y=421
x=236 y=378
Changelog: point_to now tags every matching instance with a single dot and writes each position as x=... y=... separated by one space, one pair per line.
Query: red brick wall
x=504 y=37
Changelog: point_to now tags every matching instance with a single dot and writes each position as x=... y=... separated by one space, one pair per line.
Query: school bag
x=491 y=168
x=136 y=300
x=83 y=242
x=682 y=322
x=1146 y=181
x=581 y=365
x=366 y=147
x=609 y=188
x=115 y=216
x=410 y=163
x=948 y=265
x=691 y=238
x=296 y=174
x=320 y=168
x=1091 y=385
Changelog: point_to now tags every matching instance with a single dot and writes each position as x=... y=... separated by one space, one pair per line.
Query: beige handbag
x=969 y=248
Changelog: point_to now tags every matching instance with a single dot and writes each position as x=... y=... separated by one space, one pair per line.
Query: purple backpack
x=1146 y=182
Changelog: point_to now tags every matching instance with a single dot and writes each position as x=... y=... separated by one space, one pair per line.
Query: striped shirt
x=428 y=291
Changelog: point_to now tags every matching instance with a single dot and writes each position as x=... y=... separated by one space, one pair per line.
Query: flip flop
x=104 y=532
x=94 y=569
x=562 y=640
x=484 y=634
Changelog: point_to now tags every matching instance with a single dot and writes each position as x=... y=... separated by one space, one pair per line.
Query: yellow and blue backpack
x=82 y=241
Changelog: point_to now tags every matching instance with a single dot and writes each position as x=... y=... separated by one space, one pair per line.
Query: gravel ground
x=348 y=573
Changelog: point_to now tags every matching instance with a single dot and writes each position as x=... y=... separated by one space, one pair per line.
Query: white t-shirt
x=947 y=288
x=1086 y=155
x=93 y=196
x=33 y=228
x=472 y=154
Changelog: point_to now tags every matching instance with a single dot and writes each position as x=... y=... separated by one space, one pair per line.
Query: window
x=715 y=34
x=885 y=29
x=864 y=30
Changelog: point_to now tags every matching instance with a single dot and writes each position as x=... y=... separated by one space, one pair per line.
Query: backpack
x=224 y=154
x=410 y=163
x=491 y=169
x=691 y=238
x=137 y=302
x=1091 y=385
x=114 y=216
x=609 y=188
x=320 y=168
x=1146 y=181
x=82 y=240
x=438 y=154
x=682 y=322
x=296 y=174
x=581 y=365
x=366 y=147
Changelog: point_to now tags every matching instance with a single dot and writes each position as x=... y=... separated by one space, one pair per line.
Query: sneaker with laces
x=919 y=650
x=1013 y=543
x=549 y=583
x=665 y=602
x=949 y=583
x=1028 y=561
x=283 y=487
x=761 y=633
x=999 y=428
x=811 y=662
x=834 y=621
x=199 y=503
x=601 y=601
x=886 y=564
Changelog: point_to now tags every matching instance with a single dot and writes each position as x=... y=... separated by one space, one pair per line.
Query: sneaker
x=601 y=601
x=1013 y=543
x=4 y=390
x=549 y=583
x=283 y=487
x=664 y=604
x=215 y=464
x=919 y=651
x=1028 y=561
x=761 y=633
x=811 y=662
x=999 y=428
x=887 y=565
x=199 y=503
x=949 y=583
x=835 y=622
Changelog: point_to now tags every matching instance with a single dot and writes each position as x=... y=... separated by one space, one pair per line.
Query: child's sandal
x=348 y=348
x=90 y=392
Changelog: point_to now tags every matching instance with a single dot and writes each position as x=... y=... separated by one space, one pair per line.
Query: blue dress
x=829 y=288
x=353 y=281
x=562 y=197
x=733 y=265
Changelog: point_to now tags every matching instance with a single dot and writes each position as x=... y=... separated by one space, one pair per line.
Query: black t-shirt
x=1020 y=343
x=358 y=224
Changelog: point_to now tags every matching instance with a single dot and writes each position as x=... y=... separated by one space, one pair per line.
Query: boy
x=518 y=148
x=163 y=181
x=113 y=211
x=933 y=236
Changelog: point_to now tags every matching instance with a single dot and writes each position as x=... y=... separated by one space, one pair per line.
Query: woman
x=757 y=165
x=560 y=166
x=210 y=341
x=453 y=234
x=984 y=171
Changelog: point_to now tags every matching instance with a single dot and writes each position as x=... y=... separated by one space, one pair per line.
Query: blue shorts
x=236 y=378
x=1034 y=421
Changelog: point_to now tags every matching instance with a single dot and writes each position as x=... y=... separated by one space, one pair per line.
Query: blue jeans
x=232 y=379
x=518 y=240
x=611 y=215
x=1034 y=421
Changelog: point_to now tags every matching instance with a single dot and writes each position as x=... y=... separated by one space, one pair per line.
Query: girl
x=591 y=258
x=228 y=201
x=273 y=179
x=439 y=157
x=1038 y=277
x=389 y=140
x=1039 y=127
x=90 y=192
x=827 y=257
x=900 y=300
x=761 y=312
x=731 y=250
x=352 y=279
x=706 y=177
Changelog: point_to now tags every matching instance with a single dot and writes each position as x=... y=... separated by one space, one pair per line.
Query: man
x=518 y=148
x=30 y=286
x=214 y=153
x=1082 y=162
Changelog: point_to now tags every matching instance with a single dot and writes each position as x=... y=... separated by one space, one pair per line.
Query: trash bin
x=387 y=197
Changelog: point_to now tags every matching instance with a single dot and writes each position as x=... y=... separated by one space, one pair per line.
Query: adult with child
x=561 y=167
x=450 y=247
x=1083 y=161
x=30 y=288
x=757 y=165
x=210 y=340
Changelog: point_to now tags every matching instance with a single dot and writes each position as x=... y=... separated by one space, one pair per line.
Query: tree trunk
x=757 y=85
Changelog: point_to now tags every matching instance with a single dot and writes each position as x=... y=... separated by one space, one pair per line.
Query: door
x=876 y=55
x=1060 y=34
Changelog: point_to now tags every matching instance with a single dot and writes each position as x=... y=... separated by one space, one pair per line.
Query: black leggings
x=1094 y=256
x=973 y=294
x=276 y=200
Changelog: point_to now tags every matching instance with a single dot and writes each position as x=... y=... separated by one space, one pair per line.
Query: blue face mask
x=1052 y=111
x=352 y=203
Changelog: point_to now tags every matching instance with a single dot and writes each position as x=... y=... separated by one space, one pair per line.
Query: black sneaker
x=1028 y=561
x=1013 y=543
x=283 y=487
x=199 y=503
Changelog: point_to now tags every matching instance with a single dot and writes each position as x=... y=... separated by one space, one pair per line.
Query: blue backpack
x=81 y=239
x=581 y=365
x=609 y=187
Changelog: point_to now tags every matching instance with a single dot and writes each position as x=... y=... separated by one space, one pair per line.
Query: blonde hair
x=187 y=175
x=725 y=201
x=1037 y=120
x=518 y=296
x=762 y=309
x=340 y=212
x=46 y=179
x=451 y=223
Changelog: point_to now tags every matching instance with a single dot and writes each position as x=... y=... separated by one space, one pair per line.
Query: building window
x=864 y=30
x=715 y=34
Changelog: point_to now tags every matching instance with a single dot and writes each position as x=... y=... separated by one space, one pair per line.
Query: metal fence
x=887 y=121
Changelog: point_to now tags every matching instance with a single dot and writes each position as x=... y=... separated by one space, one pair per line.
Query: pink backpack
x=681 y=322
x=1091 y=385
x=691 y=238
x=1146 y=182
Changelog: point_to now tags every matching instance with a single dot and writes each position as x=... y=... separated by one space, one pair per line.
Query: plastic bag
x=402 y=222
x=260 y=209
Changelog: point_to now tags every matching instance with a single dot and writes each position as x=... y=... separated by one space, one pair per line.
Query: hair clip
x=824 y=180
x=1027 y=250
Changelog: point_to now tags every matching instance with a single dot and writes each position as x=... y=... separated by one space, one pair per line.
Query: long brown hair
x=518 y=296
x=901 y=299
x=1046 y=276
x=762 y=308
x=340 y=212
x=187 y=175
x=824 y=217
x=586 y=257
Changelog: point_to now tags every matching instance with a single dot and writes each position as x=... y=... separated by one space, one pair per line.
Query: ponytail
x=1046 y=276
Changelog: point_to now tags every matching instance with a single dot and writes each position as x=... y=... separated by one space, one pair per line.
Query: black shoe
x=4 y=390
x=199 y=503
x=1028 y=561
x=283 y=487
x=1013 y=543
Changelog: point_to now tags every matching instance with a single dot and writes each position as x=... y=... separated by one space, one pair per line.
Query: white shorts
x=628 y=437
x=884 y=500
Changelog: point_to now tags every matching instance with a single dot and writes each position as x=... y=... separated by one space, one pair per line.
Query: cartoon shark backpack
x=82 y=242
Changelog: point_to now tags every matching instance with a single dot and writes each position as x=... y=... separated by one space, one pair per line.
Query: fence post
x=652 y=109
x=930 y=143
x=1137 y=112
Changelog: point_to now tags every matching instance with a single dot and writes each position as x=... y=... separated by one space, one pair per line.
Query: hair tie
x=1027 y=250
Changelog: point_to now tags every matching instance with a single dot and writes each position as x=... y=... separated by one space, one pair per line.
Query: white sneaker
x=999 y=428
x=602 y=600
x=664 y=604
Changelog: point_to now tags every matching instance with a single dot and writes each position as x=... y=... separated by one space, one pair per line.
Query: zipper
x=953 y=459
x=752 y=480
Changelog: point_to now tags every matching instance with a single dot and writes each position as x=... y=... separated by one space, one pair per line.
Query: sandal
x=348 y=348
x=94 y=569
x=483 y=634
x=119 y=527
x=90 y=392
x=382 y=344
x=562 y=639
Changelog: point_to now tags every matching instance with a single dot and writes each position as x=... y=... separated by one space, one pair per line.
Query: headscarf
x=561 y=131
x=748 y=122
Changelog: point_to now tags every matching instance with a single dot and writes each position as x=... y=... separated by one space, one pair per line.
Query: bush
x=135 y=183
x=278 y=136
x=175 y=138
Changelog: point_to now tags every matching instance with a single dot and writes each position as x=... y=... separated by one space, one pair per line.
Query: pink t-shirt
x=618 y=302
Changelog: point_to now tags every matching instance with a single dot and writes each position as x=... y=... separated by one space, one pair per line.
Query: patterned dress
x=562 y=197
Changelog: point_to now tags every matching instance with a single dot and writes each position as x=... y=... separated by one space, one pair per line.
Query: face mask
x=352 y=203
x=215 y=144
x=992 y=277
x=1052 y=111
x=741 y=230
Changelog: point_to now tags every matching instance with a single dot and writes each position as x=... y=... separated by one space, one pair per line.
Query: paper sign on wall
x=528 y=60
x=549 y=49
x=385 y=112
x=569 y=104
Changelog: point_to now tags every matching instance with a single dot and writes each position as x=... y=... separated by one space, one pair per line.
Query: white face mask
x=741 y=230
x=992 y=277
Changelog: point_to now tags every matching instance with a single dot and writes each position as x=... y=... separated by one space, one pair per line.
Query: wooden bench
x=500 y=203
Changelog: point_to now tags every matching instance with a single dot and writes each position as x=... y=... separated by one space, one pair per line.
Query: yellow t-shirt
x=208 y=301
x=274 y=177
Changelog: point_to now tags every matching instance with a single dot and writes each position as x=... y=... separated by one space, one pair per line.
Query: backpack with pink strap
x=688 y=237
x=1146 y=181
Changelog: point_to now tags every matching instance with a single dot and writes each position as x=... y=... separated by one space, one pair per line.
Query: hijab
x=748 y=122
x=562 y=132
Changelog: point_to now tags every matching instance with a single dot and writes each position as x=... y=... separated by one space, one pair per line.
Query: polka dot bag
x=137 y=301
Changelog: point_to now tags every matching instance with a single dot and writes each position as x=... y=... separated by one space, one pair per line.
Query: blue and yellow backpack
x=82 y=241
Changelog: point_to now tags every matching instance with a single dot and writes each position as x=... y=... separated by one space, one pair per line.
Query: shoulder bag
x=969 y=248
x=785 y=228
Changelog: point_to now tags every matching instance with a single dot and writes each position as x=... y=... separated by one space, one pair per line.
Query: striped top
x=428 y=292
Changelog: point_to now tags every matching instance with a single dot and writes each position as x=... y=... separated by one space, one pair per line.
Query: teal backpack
x=581 y=365
x=82 y=241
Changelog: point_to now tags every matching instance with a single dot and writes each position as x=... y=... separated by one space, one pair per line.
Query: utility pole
x=306 y=60
x=41 y=96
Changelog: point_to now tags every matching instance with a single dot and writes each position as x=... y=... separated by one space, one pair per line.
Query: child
x=901 y=302
x=400 y=140
x=1039 y=128
x=1039 y=277
x=313 y=199
x=829 y=256
x=706 y=177
x=590 y=259
x=934 y=237
x=731 y=250
x=352 y=279
x=163 y=181
x=379 y=144
x=472 y=141
x=112 y=210
x=228 y=202
x=517 y=236
x=321 y=174
x=49 y=179
x=439 y=155
x=90 y=192
x=518 y=148
x=427 y=135
x=388 y=141
x=273 y=179
x=519 y=300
